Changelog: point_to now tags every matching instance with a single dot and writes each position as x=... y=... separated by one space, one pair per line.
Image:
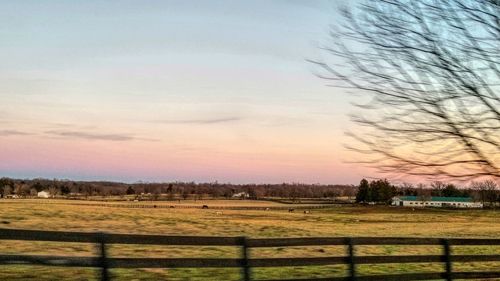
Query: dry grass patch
x=337 y=221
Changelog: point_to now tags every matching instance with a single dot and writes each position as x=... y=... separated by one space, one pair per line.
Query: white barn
x=43 y=194
x=448 y=202
x=241 y=195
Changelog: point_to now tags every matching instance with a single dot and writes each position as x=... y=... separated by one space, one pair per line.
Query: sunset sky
x=170 y=90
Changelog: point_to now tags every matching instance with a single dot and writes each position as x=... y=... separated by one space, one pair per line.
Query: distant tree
x=38 y=186
x=7 y=190
x=185 y=194
x=170 y=188
x=6 y=182
x=54 y=191
x=75 y=188
x=451 y=190
x=487 y=191
x=21 y=189
x=6 y=186
x=437 y=188
x=382 y=191
x=156 y=194
x=252 y=193
x=407 y=189
x=228 y=193
x=492 y=192
x=363 y=194
x=293 y=193
x=65 y=189
x=148 y=189
x=87 y=189
x=130 y=190
x=331 y=194
x=171 y=195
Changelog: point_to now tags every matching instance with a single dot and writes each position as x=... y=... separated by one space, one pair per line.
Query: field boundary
x=163 y=205
x=104 y=262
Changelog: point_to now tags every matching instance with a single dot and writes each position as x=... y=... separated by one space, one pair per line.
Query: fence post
x=447 y=257
x=246 y=267
x=352 y=265
x=103 y=262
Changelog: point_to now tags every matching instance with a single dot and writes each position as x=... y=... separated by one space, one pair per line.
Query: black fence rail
x=105 y=262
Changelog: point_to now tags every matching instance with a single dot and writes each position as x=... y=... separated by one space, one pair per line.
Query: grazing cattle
x=205 y=207
x=218 y=213
x=172 y=206
x=291 y=210
x=267 y=209
x=307 y=212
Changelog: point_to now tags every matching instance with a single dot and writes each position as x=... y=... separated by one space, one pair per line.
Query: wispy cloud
x=92 y=136
x=6 y=133
x=201 y=121
x=283 y=121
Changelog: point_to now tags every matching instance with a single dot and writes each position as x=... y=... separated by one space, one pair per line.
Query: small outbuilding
x=446 y=202
x=43 y=194
x=241 y=195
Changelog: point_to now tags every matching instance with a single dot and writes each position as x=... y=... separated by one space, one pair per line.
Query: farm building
x=43 y=194
x=450 y=202
x=241 y=195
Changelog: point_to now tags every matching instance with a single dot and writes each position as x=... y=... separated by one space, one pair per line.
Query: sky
x=170 y=90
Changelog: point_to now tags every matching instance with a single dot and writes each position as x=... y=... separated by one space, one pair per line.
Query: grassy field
x=197 y=203
x=335 y=221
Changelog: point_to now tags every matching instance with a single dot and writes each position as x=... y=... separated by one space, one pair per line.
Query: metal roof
x=436 y=199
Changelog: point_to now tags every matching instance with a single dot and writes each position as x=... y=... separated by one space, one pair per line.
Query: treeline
x=170 y=191
x=382 y=191
x=376 y=191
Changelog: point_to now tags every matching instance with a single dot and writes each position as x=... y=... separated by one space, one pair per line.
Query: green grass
x=337 y=221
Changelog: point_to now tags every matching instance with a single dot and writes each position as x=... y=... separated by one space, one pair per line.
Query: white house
x=448 y=202
x=241 y=195
x=43 y=194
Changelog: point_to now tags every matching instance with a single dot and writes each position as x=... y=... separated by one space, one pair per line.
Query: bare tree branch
x=432 y=70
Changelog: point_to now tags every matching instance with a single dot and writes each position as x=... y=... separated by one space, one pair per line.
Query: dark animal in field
x=307 y=212
x=291 y=210
x=205 y=207
x=172 y=206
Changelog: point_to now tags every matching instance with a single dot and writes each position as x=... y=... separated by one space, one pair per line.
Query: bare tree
x=7 y=190
x=53 y=191
x=21 y=189
x=487 y=191
x=432 y=70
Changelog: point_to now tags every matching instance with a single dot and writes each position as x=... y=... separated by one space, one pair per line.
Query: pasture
x=335 y=221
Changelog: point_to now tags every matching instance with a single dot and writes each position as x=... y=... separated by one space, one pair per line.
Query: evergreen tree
x=363 y=192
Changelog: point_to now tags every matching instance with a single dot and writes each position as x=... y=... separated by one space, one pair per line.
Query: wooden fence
x=104 y=262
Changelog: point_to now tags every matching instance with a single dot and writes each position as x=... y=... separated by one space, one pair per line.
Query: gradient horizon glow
x=170 y=90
